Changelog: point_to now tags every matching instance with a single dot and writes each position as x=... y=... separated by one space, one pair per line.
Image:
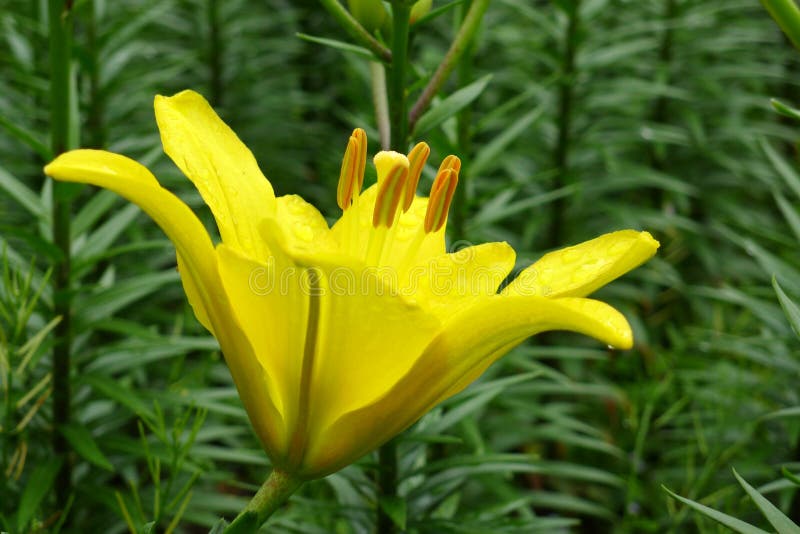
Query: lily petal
x=352 y=366
x=197 y=262
x=273 y=315
x=463 y=349
x=221 y=167
x=303 y=225
x=194 y=295
x=134 y=182
x=579 y=270
x=451 y=282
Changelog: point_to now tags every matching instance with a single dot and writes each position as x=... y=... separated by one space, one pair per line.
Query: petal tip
x=187 y=96
x=51 y=168
x=648 y=239
x=623 y=341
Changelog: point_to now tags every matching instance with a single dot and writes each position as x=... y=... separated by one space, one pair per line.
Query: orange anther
x=416 y=159
x=390 y=193
x=361 y=137
x=442 y=191
x=351 y=177
x=451 y=162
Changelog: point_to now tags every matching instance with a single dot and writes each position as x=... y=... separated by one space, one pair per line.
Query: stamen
x=351 y=177
x=361 y=137
x=444 y=186
x=390 y=192
x=451 y=162
x=416 y=159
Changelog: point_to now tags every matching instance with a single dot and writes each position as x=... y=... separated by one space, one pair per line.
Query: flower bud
x=419 y=10
x=370 y=13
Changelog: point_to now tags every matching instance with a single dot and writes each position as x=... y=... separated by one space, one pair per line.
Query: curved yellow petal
x=463 y=349
x=349 y=365
x=194 y=295
x=451 y=282
x=197 y=262
x=304 y=227
x=579 y=270
x=369 y=333
x=133 y=181
x=273 y=314
x=369 y=338
x=221 y=167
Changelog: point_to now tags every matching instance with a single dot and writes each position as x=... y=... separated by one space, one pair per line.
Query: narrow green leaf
x=787 y=15
x=776 y=518
x=114 y=390
x=794 y=411
x=503 y=208
x=84 y=444
x=27 y=137
x=791 y=309
x=109 y=300
x=395 y=508
x=38 y=486
x=247 y=523
x=219 y=527
x=436 y=12
x=786 y=171
x=737 y=525
x=785 y=109
x=790 y=213
x=791 y=477
x=102 y=238
x=22 y=194
x=451 y=105
x=98 y=205
x=491 y=152
x=339 y=45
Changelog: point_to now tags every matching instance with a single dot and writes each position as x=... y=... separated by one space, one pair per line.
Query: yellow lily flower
x=340 y=337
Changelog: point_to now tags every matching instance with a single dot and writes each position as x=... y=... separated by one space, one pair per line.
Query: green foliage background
x=599 y=115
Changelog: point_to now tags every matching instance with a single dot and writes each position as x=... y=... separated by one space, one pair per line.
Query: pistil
x=392 y=177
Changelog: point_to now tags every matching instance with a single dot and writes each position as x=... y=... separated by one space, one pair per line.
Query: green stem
x=278 y=487
x=656 y=152
x=356 y=30
x=398 y=113
x=460 y=44
x=95 y=114
x=401 y=10
x=387 y=485
x=214 y=53
x=464 y=120
x=787 y=15
x=565 y=102
x=381 y=103
x=60 y=20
